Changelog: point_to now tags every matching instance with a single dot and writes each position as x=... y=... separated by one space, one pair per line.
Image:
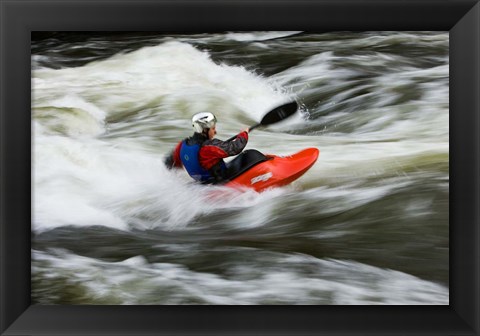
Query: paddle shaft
x=249 y=130
x=277 y=114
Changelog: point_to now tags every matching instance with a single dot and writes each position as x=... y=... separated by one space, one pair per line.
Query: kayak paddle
x=279 y=113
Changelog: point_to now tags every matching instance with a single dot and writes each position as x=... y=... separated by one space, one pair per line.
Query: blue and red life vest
x=189 y=157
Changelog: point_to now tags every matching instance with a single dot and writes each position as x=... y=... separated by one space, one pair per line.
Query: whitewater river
x=367 y=224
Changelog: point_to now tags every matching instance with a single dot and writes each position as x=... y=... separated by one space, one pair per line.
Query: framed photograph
x=344 y=201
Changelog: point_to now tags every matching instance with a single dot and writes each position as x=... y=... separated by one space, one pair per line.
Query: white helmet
x=203 y=120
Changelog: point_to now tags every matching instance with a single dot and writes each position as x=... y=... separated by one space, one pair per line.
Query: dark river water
x=367 y=224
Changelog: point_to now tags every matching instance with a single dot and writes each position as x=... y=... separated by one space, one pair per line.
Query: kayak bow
x=276 y=170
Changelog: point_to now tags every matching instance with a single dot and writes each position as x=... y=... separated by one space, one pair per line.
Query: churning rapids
x=367 y=224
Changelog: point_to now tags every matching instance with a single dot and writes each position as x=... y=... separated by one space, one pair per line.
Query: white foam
x=283 y=281
x=172 y=69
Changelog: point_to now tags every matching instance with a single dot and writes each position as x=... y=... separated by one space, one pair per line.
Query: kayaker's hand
x=246 y=130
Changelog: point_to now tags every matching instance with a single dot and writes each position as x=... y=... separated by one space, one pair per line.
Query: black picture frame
x=19 y=18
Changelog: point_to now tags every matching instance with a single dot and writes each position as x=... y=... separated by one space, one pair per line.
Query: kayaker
x=201 y=154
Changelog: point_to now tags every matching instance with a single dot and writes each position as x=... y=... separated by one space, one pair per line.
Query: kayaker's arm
x=215 y=150
x=173 y=159
x=236 y=146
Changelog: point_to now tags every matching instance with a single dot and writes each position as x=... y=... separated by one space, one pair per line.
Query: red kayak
x=254 y=170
